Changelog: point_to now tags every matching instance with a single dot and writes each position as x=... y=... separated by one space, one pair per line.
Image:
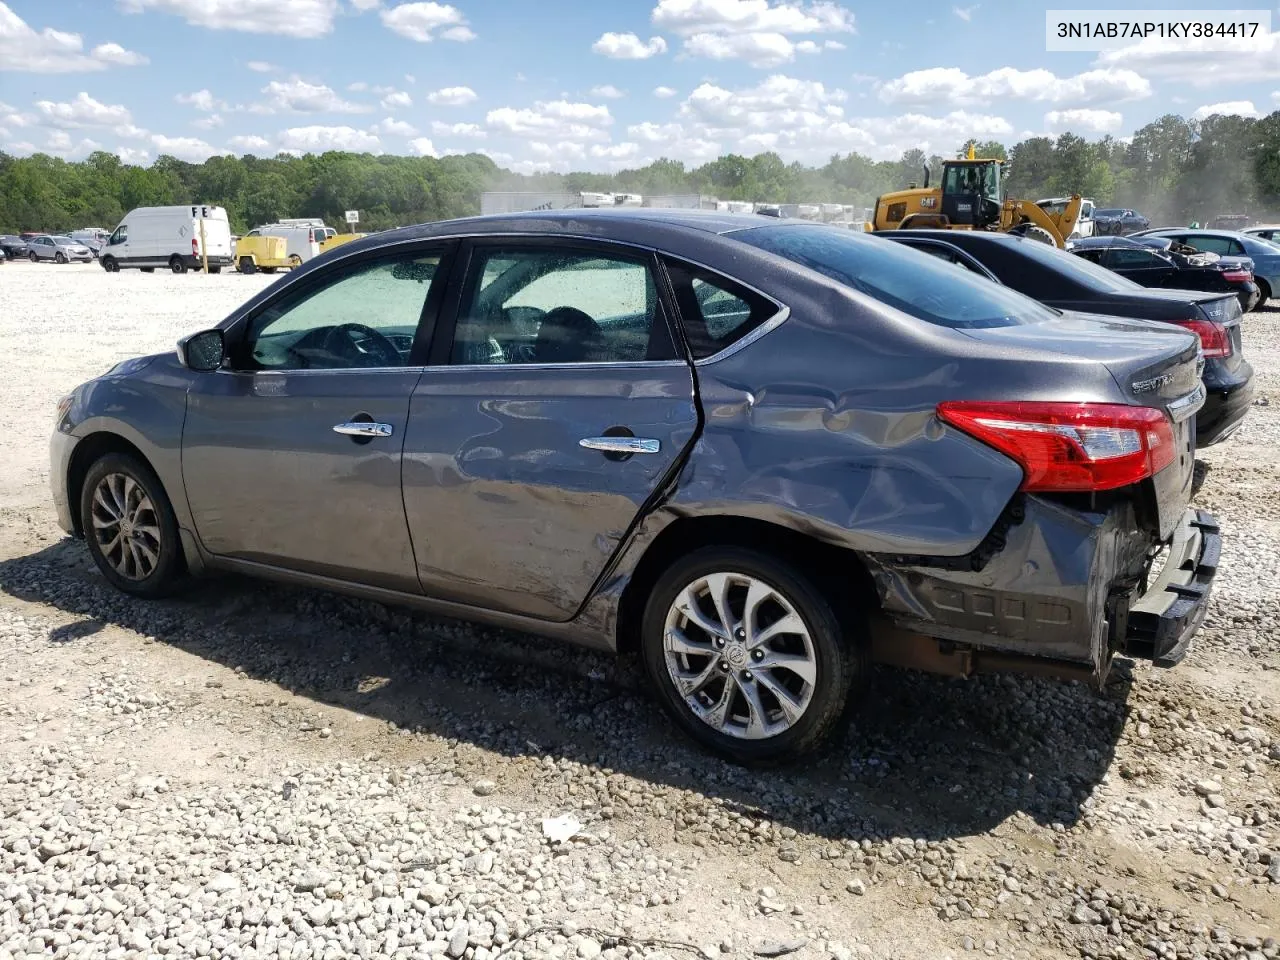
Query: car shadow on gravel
x=928 y=757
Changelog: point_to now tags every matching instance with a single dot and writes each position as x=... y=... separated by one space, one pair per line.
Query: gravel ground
x=255 y=771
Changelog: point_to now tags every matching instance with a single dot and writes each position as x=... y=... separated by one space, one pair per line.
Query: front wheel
x=110 y=265
x=177 y=264
x=748 y=655
x=59 y=257
x=33 y=257
x=130 y=526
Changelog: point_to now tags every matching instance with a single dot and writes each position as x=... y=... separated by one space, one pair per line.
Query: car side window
x=1220 y=245
x=716 y=311
x=1133 y=259
x=559 y=305
x=1235 y=248
x=121 y=234
x=364 y=316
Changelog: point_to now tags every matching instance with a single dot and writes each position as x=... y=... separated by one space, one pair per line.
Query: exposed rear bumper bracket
x=1162 y=622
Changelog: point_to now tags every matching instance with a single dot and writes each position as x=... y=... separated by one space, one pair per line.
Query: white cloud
x=396 y=100
x=317 y=139
x=250 y=144
x=627 y=46
x=832 y=45
x=1276 y=96
x=83 y=111
x=608 y=91
x=23 y=49
x=615 y=151
x=296 y=18
x=410 y=79
x=60 y=144
x=363 y=6
x=458 y=130
x=757 y=31
x=452 y=96
x=132 y=155
x=419 y=21
x=951 y=85
x=261 y=66
x=554 y=120
x=296 y=95
x=209 y=122
x=1192 y=62
x=664 y=93
x=424 y=147
x=202 y=100
x=1229 y=108
x=191 y=149
x=395 y=128
x=1083 y=120
x=965 y=13
x=673 y=140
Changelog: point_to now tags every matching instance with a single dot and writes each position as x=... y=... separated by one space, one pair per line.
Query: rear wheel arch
x=840 y=573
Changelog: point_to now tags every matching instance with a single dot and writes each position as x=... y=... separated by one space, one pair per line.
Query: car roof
x=1106 y=242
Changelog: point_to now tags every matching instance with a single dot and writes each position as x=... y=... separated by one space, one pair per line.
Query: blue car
x=1264 y=254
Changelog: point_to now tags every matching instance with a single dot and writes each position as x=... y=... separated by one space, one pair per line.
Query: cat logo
x=928 y=203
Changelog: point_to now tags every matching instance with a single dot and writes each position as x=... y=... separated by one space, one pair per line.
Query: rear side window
x=717 y=312
x=1130 y=259
x=913 y=282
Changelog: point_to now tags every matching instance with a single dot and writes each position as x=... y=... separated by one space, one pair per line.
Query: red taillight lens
x=1237 y=276
x=1070 y=446
x=195 y=247
x=1214 y=340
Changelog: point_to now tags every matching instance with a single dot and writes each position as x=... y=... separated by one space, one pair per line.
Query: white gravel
x=253 y=771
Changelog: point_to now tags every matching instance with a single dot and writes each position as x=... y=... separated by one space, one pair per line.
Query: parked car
x=1151 y=266
x=58 y=249
x=13 y=246
x=1266 y=231
x=735 y=444
x=151 y=237
x=1067 y=282
x=1264 y=254
x=302 y=239
x=1084 y=222
x=1231 y=221
x=95 y=238
x=1117 y=221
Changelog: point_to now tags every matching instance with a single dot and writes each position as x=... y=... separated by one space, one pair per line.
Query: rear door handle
x=363 y=428
x=620 y=444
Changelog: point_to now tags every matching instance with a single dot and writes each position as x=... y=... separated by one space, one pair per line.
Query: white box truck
x=151 y=237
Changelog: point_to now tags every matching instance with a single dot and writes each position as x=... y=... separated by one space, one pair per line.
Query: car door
x=291 y=454
x=556 y=406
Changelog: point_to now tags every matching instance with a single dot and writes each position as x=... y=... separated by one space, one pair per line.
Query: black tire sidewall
x=177 y=266
x=168 y=571
x=838 y=650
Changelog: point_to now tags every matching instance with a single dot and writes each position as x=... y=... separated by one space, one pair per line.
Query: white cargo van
x=151 y=237
x=303 y=237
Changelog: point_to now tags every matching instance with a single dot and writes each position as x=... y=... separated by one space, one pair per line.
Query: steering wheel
x=369 y=349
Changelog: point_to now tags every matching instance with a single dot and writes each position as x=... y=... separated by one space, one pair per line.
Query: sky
x=558 y=85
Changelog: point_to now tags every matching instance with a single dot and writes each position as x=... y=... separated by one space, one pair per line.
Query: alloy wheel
x=740 y=655
x=126 y=526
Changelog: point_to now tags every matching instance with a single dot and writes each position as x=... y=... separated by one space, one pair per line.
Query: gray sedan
x=57 y=249
x=761 y=455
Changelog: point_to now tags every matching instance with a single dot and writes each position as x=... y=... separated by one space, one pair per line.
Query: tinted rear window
x=913 y=282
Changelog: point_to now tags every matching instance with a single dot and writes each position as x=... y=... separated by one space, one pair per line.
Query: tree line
x=1174 y=170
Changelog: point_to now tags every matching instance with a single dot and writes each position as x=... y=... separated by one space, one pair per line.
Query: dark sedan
x=12 y=247
x=1117 y=221
x=1264 y=254
x=739 y=446
x=1169 y=269
x=1067 y=282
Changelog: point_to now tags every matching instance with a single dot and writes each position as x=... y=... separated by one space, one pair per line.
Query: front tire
x=130 y=526
x=110 y=265
x=33 y=257
x=748 y=655
x=59 y=257
x=177 y=264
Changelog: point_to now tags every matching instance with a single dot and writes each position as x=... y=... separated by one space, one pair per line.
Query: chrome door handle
x=620 y=444
x=363 y=428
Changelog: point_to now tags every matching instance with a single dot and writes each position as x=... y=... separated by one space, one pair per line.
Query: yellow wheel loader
x=970 y=199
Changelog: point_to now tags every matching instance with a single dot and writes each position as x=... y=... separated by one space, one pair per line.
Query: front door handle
x=620 y=444
x=363 y=428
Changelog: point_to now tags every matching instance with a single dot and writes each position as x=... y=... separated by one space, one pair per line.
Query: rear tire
x=130 y=527
x=1264 y=294
x=177 y=264
x=295 y=262
x=247 y=265
x=715 y=679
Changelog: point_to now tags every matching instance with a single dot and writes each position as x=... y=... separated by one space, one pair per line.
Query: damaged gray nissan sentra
x=760 y=455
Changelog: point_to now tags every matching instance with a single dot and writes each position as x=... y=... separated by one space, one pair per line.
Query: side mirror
x=203 y=351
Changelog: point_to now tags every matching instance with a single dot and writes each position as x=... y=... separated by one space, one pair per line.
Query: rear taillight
x=195 y=247
x=1237 y=276
x=1214 y=339
x=311 y=236
x=1065 y=447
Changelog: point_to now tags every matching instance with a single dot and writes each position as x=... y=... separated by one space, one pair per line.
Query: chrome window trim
x=747 y=339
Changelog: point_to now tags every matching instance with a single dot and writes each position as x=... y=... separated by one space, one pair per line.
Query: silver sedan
x=57 y=249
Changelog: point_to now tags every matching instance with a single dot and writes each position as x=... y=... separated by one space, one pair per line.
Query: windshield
x=916 y=283
x=1084 y=272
